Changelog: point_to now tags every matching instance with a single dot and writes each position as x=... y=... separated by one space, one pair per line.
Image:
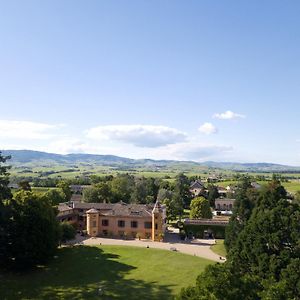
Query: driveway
x=197 y=247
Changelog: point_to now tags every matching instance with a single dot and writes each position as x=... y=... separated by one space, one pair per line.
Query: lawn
x=123 y=272
x=219 y=248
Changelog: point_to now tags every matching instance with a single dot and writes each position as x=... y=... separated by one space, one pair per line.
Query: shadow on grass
x=78 y=273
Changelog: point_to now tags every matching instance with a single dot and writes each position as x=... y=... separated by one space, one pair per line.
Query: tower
x=157 y=222
x=92 y=225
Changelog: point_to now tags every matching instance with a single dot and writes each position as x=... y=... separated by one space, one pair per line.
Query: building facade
x=119 y=220
x=222 y=204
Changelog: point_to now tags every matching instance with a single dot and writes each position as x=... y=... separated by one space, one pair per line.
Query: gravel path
x=199 y=248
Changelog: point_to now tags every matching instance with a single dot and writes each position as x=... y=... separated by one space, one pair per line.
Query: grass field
x=219 y=248
x=123 y=272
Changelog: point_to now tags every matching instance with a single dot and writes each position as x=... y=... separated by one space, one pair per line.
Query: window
x=148 y=225
x=156 y=226
x=94 y=224
x=105 y=232
x=105 y=222
x=134 y=224
x=121 y=223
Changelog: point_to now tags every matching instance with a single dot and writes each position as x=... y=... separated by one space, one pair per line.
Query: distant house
x=222 y=191
x=256 y=185
x=77 y=188
x=213 y=178
x=196 y=187
x=222 y=204
x=13 y=185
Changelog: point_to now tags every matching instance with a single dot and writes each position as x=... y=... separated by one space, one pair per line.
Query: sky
x=187 y=80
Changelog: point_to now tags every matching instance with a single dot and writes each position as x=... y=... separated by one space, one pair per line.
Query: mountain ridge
x=20 y=157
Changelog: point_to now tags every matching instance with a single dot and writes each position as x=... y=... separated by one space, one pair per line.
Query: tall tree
x=200 y=208
x=182 y=189
x=55 y=196
x=5 y=210
x=65 y=186
x=263 y=263
x=212 y=194
x=34 y=231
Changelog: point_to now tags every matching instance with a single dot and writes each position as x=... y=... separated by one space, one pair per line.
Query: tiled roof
x=196 y=184
x=63 y=207
x=117 y=209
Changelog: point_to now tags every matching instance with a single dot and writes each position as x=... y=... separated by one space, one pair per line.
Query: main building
x=116 y=219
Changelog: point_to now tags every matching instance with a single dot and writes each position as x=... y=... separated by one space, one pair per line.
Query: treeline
x=141 y=190
x=262 y=241
x=29 y=230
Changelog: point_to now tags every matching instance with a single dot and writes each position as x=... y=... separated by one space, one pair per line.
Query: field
x=219 y=248
x=291 y=186
x=122 y=272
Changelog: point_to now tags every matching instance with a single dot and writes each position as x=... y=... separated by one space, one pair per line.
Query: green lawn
x=124 y=272
x=219 y=248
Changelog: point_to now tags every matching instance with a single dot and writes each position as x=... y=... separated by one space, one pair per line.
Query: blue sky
x=193 y=80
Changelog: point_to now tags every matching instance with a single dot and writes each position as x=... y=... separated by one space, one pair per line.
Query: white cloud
x=228 y=115
x=26 y=130
x=208 y=128
x=138 y=135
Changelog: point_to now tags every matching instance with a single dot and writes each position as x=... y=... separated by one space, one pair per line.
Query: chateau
x=116 y=219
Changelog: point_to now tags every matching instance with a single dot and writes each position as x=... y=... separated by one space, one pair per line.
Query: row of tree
x=263 y=244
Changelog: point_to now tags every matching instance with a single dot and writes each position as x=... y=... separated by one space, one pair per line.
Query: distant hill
x=29 y=158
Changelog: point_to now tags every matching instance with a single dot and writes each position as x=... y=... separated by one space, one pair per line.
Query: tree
x=182 y=189
x=245 y=201
x=24 y=185
x=97 y=193
x=67 y=232
x=121 y=187
x=34 y=231
x=263 y=262
x=5 y=192
x=139 y=193
x=297 y=197
x=64 y=185
x=213 y=194
x=164 y=194
x=200 y=208
x=55 y=196
x=5 y=209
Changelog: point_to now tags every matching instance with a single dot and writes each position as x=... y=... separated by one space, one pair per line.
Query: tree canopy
x=200 y=208
x=263 y=261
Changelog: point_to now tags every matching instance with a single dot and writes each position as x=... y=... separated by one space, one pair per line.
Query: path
x=197 y=247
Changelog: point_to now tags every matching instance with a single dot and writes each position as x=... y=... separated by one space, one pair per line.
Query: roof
x=206 y=222
x=121 y=209
x=92 y=211
x=63 y=207
x=225 y=199
x=197 y=185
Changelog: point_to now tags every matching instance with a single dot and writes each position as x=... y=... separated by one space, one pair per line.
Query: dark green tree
x=212 y=194
x=67 y=232
x=24 y=185
x=55 y=196
x=5 y=209
x=182 y=189
x=122 y=187
x=34 y=231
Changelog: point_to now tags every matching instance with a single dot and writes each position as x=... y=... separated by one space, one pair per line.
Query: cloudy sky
x=196 y=80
